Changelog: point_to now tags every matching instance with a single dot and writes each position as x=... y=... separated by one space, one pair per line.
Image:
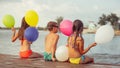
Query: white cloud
x=45 y=7
x=28 y=2
x=95 y=7
x=50 y=9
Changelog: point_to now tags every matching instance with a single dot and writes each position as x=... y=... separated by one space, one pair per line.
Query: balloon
x=66 y=27
x=31 y=34
x=8 y=21
x=119 y=21
x=31 y=17
x=104 y=34
x=62 y=53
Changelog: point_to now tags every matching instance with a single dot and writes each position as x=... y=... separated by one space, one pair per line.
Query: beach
x=13 y=61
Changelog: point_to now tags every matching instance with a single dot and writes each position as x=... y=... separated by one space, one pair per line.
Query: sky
x=49 y=10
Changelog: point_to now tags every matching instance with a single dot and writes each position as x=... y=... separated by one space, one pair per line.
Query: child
x=76 y=45
x=25 y=48
x=51 y=41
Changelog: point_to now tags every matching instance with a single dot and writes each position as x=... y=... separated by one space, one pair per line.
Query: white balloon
x=62 y=53
x=119 y=21
x=104 y=34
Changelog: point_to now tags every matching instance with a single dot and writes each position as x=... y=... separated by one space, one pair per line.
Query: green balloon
x=8 y=21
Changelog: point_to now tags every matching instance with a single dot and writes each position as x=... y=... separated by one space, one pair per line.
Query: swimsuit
x=47 y=56
x=76 y=60
x=25 y=54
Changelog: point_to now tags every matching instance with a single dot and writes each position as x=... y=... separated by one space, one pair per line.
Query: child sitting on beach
x=51 y=41
x=76 y=45
x=25 y=48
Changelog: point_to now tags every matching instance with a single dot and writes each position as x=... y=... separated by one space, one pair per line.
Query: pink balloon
x=66 y=27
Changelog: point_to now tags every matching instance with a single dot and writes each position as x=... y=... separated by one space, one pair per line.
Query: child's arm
x=54 y=47
x=82 y=50
x=67 y=42
x=15 y=35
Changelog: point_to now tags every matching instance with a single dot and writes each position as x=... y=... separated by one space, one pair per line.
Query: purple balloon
x=31 y=34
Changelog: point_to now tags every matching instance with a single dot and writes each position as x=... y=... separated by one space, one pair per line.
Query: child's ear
x=53 y=28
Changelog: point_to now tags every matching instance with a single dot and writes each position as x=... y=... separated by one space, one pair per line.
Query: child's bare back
x=51 y=41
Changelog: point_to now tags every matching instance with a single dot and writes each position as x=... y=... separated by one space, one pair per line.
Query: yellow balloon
x=31 y=17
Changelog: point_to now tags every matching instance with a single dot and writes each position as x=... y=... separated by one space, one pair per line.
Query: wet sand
x=101 y=61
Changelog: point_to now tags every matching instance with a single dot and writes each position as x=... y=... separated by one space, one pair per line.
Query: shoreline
x=85 y=31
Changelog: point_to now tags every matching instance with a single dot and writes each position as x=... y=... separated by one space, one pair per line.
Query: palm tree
x=102 y=20
x=59 y=19
x=112 y=18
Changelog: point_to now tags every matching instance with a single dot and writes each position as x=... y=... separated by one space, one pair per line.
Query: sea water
x=8 y=47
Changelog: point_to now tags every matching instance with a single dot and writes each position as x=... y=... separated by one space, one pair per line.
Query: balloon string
x=91 y=52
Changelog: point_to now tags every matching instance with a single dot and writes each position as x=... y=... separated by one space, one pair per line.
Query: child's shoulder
x=79 y=38
x=56 y=35
x=53 y=35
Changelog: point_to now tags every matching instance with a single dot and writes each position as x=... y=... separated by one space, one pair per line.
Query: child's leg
x=87 y=60
x=36 y=55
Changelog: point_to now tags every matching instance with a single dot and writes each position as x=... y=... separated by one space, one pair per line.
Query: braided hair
x=77 y=29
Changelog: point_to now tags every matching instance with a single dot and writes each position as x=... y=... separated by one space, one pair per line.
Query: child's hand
x=94 y=44
x=54 y=59
x=29 y=42
x=67 y=45
x=13 y=29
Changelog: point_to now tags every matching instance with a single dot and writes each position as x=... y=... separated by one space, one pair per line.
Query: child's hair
x=24 y=25
x=51 y=24
x=77 y=28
